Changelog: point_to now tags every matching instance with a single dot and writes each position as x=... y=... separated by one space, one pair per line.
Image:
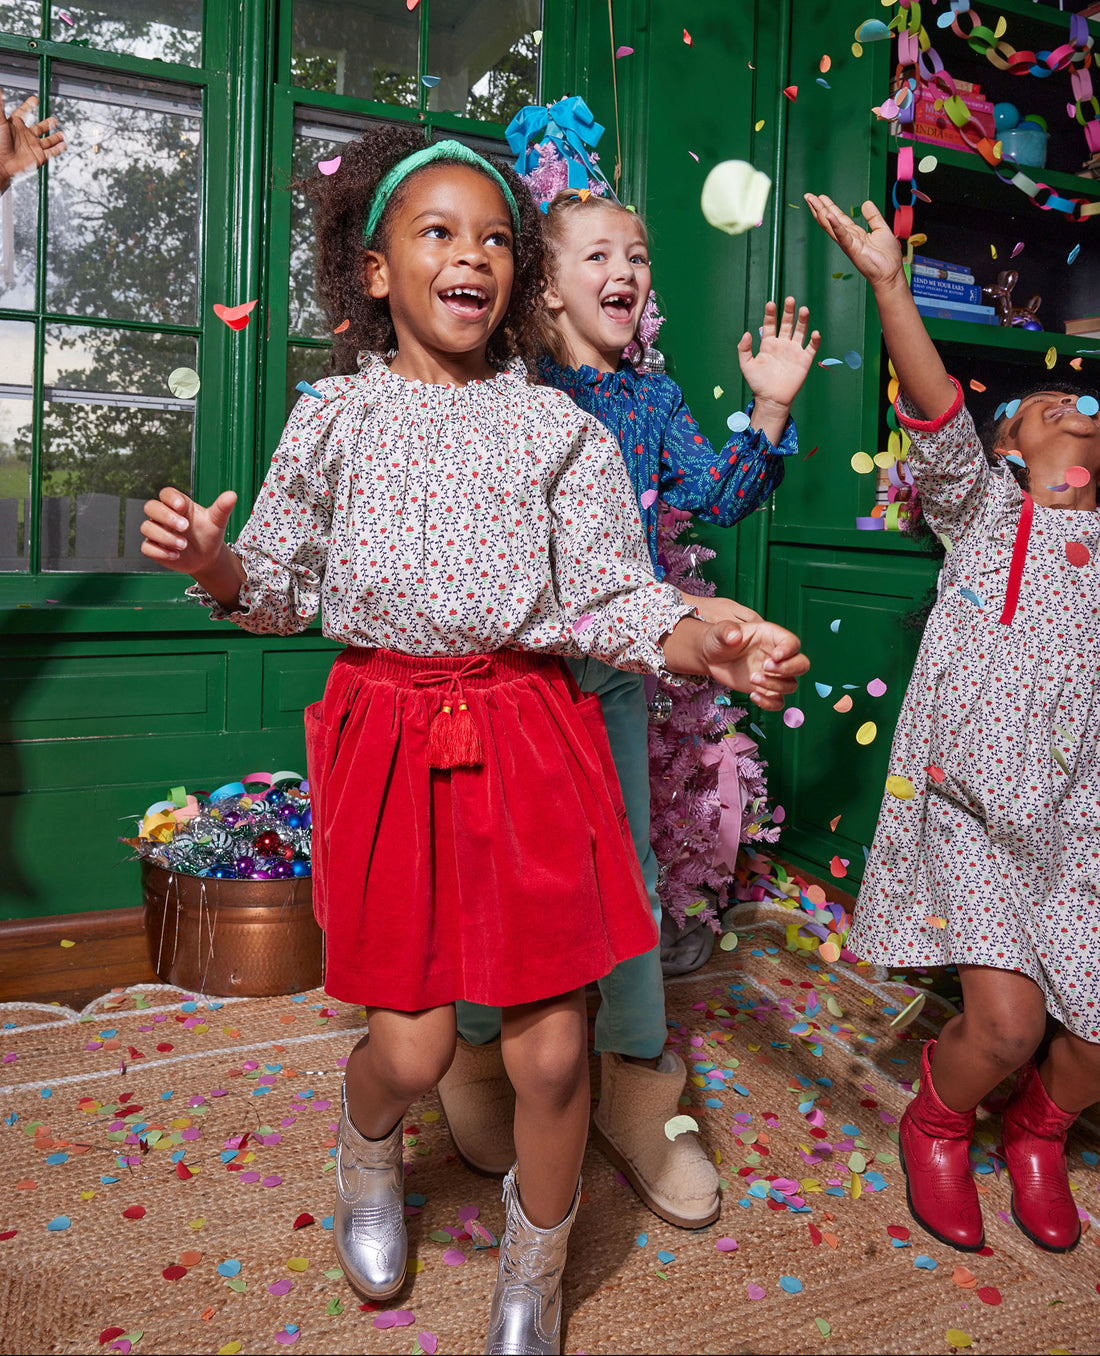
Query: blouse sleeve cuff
x=787 y=445
x=902 y=405
x=218 y=613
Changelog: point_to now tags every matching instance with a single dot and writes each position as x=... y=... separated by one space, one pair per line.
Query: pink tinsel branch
x=684 y=804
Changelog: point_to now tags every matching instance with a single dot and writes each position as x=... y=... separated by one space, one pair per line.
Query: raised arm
x=877 y=255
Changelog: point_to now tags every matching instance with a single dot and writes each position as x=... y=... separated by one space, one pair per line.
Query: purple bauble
x=286 y=811
x=231 y=817
x=260 y=874
x=244 y=866
x=281 y=870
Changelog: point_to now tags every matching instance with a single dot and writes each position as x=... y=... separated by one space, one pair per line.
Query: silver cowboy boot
x=369 y=1224
x=525 y=1319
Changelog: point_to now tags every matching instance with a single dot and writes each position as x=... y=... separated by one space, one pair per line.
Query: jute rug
x=133 y=1216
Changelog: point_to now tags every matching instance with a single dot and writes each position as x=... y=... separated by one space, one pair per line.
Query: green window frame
x=242 y=81
x=298 y=110
x=206 y=86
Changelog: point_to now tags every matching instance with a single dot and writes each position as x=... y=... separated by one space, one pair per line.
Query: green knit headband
x=441 y=150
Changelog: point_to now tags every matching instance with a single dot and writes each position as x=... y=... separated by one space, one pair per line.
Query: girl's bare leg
x=404 y=1056
x=545 y=1047
x=1000 y=1027
x=1071 y=1072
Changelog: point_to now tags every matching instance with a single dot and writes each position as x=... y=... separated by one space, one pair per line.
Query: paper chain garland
x=916 y=54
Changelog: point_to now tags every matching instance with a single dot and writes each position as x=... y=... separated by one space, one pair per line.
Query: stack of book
x=945 y=291
x=936 y=127
x=1087 y=327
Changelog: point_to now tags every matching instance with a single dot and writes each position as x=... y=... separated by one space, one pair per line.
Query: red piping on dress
x=1019 y=557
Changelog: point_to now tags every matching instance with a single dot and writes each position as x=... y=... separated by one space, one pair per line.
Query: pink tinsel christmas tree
x=685 y=808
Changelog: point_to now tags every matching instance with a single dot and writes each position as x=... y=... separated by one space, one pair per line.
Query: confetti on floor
x=796 y=1083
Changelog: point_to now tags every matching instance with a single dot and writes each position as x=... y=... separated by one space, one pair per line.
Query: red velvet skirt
x=504 y=883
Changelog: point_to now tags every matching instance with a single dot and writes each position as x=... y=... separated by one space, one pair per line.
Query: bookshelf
x=975 y=218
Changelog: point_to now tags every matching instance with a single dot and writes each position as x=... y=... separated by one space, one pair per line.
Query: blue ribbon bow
x=570 y=127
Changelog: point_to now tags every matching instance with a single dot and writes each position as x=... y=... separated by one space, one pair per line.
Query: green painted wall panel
x=819 y=770
x=61 y=841
x=292 y=679
x=78 y=697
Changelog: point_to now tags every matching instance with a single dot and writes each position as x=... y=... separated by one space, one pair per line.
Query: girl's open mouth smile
x=619 y=306
x=469 y=302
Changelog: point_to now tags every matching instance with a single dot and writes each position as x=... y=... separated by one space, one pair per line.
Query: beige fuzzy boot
x=674 y=1178
x=480 y=1107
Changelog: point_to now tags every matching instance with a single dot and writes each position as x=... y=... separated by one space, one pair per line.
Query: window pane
x=113 y=435
x=19 y=205
x=367 y=49
x=164 y=30
x=16 y=409
x=124 y=199
x=21 y=16
x=314 y=140
x=485 y=56
x=303 y=363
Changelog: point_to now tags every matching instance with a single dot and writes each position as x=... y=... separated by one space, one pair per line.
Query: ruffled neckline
x=375 y=371
x=558 y=373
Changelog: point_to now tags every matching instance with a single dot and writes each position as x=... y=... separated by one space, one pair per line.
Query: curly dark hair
x=342 y=203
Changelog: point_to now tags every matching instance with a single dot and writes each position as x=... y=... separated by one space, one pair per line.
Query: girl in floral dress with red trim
x=458 y=531
x=990 y=857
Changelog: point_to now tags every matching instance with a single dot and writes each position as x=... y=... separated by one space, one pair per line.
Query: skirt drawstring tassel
x=453 y=739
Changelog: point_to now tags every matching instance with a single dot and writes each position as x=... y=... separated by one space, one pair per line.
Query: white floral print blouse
x=451 y=520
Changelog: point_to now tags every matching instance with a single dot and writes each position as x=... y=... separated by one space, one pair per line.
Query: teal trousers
x=631 y=1019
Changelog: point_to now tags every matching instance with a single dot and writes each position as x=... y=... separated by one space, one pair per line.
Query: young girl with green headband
x=458 y=530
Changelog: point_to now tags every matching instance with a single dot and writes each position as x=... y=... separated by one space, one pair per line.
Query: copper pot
x=232 y=938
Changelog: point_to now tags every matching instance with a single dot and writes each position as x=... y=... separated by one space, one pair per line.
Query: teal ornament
x=1005 y=116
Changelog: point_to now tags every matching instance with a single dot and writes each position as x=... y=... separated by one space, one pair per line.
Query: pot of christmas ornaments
x=227 y=887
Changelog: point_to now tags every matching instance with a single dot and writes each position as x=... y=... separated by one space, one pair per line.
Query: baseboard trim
x=109 y=950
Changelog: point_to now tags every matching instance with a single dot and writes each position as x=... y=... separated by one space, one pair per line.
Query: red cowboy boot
x=1034 y=1130
x=935 y=1147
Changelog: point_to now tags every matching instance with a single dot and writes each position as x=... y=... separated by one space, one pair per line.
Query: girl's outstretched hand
x=24 y=147
x=181 y=534
x=776 y=373
x=876 y=253
x=760 y=658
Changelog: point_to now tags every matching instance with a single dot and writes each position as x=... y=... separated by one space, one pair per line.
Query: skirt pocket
x=320 y=752
x=590 y=711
